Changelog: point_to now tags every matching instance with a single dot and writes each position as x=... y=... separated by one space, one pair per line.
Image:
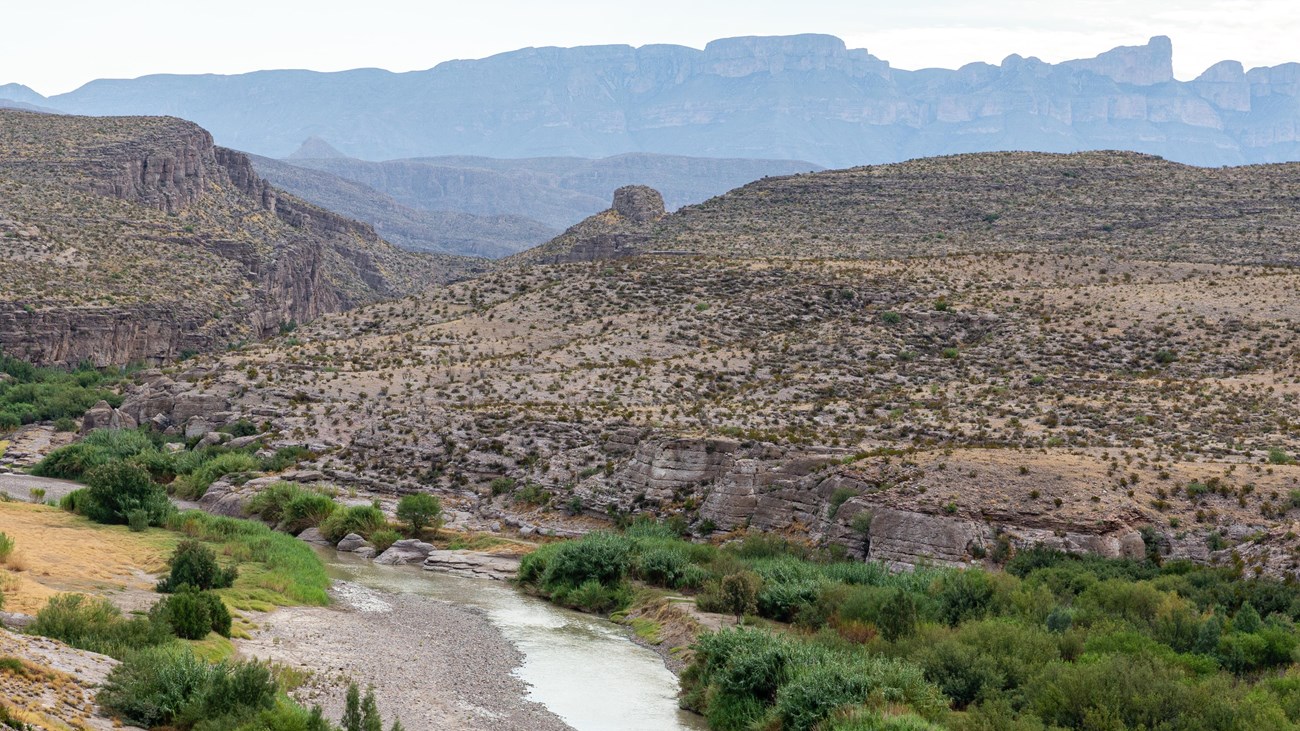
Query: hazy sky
x=56 y=45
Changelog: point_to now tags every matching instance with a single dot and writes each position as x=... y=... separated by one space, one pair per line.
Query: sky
x=55 y=46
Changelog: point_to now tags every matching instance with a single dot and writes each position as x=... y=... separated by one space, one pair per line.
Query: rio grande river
x=582 y=668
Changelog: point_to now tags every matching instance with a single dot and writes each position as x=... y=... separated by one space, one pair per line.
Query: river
x=582 y=668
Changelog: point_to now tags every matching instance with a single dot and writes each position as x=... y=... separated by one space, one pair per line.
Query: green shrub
x=383 y=538
x=420 y=510
x=291 y=508
x=117 y=489
x=742 y=679
x=6 y=547
x=100 y=447
x=94 y=624
x=193 y=614
x=195 y=565
x=171 y=687
x=306 y=510
x=602 y=557
x=228 y=463
x=819 y=690
x=838 y=498
x=593 y=596
x=363 y=520
x=662 y=566
x=138 y=520
x=30 y=394
x=897 y=618
x=964 y=595
x=963 y=673
x=1279 y=456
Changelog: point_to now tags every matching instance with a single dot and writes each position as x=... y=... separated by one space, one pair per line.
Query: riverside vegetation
x=165 y=681
x=173 y=671
x=1056 y=641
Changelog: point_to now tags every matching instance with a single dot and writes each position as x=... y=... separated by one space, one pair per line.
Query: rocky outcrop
x=104 y=416
x=611 y=234
x=639 y=204
x=473 y=564
x=1136 y=65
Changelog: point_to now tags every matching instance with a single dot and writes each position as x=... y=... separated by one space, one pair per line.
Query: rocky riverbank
x=434 y=665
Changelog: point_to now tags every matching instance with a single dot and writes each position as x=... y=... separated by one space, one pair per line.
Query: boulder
x=211 y=439
x=104 y=416
x=197 y=427
x=410 y=550
x=191 y=404
x=224 y=498
x=241 y=442
x=351 y=542
x=313 y=535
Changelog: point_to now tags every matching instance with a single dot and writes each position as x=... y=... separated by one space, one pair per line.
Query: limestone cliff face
x=140 y=240
x=875 y=508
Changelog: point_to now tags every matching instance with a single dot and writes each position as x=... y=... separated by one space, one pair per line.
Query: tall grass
x=275 y=568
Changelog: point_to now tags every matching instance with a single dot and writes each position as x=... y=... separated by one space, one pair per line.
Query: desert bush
x=363 y=520
x=228 y=463
x=420 y=510
x=602 y=557
x=193 y=614
x=169 y=686
x=384 y=538
x=100 y=447
x=6 y=547
x=291 y=508
x=116 y=489
x=195 y=565
x=662 y=566
x=94 y=624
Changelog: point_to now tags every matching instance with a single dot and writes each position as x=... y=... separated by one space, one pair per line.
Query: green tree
x=1247 y=619
x=370 y=720
x=351 y=720
x=420 y=510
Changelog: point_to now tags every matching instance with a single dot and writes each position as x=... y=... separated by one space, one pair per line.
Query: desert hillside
x=1015 y=376
x=137 y=239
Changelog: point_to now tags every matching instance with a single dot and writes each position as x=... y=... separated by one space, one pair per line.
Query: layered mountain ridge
x=806 y=97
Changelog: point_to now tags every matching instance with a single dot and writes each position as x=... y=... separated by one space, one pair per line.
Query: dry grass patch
x=59 y=552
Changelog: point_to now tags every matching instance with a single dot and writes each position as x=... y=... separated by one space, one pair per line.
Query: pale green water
x=583 y=668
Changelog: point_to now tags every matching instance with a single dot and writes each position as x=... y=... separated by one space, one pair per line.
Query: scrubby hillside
x=135 y=238
x=1109 y=203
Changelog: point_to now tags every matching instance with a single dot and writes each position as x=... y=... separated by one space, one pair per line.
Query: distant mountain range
x=494 y=207
x=805 y=97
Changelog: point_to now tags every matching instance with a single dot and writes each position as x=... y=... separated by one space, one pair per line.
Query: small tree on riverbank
x=421 y=510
